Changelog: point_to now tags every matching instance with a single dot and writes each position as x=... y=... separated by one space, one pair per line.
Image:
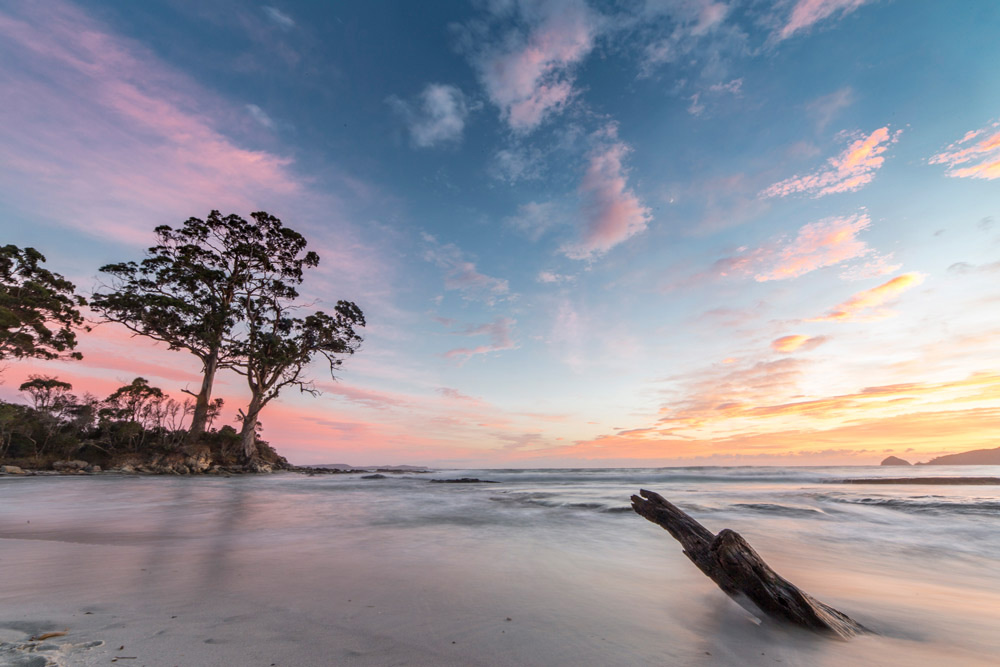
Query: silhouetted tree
x=38 y=309
x=278 y=348
x=184 y=292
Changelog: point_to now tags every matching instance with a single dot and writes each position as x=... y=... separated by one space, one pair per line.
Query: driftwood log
x=729 y=561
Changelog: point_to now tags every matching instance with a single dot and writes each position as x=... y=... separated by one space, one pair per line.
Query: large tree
x=38 y=309
x=185 y=291
x=278 y=348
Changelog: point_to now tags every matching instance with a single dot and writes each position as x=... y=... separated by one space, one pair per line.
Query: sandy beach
x=539 y=569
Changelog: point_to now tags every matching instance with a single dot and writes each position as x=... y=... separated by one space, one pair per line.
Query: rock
x=977 y=457
x=70 y=466
x=12 y=470
x=464 y=480
x=199 y=462
x=94 y=468
x=895 y=461
x=375 y=476
x=259 y=467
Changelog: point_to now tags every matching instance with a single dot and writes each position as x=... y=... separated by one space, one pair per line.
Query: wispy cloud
x=462 y=275
x=260 y=116
x=553 y=278
x=795 y=342
x=278 y=17
x=806 y=13
x=824 y=109
x=612 y=212
x=828 y=242
x=849 y=171
x=529 y=73
x=975 y=155
x=535 y=219
x=869 y=305
x=146 y=138
x=436 y=117
x=500 y=333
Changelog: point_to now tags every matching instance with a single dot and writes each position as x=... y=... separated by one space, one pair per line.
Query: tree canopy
x=184 y=292
x=38 y=308
x=278 y=348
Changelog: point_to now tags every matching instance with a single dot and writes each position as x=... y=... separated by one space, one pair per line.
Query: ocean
x=543 y=567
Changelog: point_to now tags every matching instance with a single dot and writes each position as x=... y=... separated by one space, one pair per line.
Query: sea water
x=541 y=567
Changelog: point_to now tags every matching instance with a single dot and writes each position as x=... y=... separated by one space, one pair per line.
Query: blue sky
x=626 y=233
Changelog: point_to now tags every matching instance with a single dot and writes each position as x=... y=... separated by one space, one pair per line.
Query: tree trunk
x=202 y=402
x=731 y=563
x=248 y=435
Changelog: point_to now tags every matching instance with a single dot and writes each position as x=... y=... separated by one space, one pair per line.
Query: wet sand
x=282 y=571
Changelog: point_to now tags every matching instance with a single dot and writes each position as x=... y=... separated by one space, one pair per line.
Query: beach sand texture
x=544 y=568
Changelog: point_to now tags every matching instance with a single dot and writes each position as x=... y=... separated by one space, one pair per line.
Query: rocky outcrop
x=895 y=461
x=976 y=457
x=463 y=480
x=70 y=466
x=11 y=470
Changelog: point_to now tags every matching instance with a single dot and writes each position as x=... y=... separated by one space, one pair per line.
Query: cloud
x=742 y=415
x=981 y=159
x=824 y=109
x=819 y=244
x=438 y=116
x=149 y=141
x=965 y=267
x=688 y=23
x=260 y=116
x=612 y=213
x=849 y=171
x=788 y=344
x=500 y=335
x=806 y=13
x=534 y=219
x=867 y=305
x=550 y=278
x=278 y=17
x=462 y=275
x=529 y=74
x=519 y=163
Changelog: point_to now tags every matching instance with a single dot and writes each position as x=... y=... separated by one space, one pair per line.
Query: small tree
x=45 y=391
x=136 y=402
x=38 y=309
x=184 y=292
x=279 y=347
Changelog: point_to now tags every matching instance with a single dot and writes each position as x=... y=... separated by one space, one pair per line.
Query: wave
x=918 y=506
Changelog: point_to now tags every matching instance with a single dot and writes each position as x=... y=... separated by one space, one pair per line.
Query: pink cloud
x=820 y=244
x=499 y=332
x=529 y=77
x=805 y=13
x=787 y=344
x=612 y=212
x=868 y=305
x=462 y=275
x=981 y=158
x=118 y=135
x=849 y=171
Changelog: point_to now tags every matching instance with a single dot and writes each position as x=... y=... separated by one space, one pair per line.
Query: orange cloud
x=787 y=344
x=984 y=154
x=828 y=242
x=867 y=304
x=849 y=171
x=930 y=418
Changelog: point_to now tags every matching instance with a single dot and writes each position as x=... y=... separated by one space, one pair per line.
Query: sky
x=630 y=233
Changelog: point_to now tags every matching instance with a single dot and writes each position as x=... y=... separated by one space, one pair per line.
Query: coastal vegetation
x=222 y=289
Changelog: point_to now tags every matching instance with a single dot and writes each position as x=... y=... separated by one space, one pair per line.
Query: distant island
x=976 y=457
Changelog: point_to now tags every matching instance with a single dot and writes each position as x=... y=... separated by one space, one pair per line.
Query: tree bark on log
x=729 y=561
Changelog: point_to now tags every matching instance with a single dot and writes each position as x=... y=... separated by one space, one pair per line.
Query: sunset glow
x=582 y=233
